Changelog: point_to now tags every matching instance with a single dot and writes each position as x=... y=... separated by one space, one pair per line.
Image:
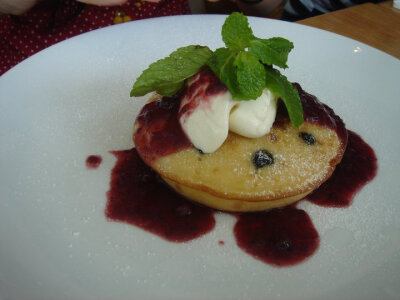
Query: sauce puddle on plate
x=138 y=197
x=280 y=237
x=93 y=161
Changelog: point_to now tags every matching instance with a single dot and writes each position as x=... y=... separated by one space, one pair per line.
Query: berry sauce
x=93 y=161
x=200 y=88
x=314 y=111
x=167 y=136
x=138 y=197
x=359 y=165
x=279 y=237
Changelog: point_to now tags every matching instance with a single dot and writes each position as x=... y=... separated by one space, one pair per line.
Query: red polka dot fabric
x=53 y=21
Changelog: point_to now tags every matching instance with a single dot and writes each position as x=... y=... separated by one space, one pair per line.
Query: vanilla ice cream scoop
x=207 y=112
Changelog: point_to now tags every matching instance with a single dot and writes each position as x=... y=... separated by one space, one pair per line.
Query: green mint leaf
x=281 y=86
x=241 y=72
x=273 y=51
x=250 y=75
x=166 y=76
x=236 y=32
x=222 y=64
x=168 y=88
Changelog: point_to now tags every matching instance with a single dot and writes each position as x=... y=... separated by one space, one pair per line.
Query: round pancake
x=253 y=174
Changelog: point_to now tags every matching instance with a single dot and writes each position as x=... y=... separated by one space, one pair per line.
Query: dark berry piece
x=167 y=103
x=262 y=158
x=147 y=178
x=308 y=138
x=284 y=245
x=184 y=210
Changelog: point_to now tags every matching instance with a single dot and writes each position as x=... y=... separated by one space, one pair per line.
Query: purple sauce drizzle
x=280 y=237
x=314 y=111
x=359 y=165
x=93 y=161
x=138 y=197
x=159 y=119
x=202 y=86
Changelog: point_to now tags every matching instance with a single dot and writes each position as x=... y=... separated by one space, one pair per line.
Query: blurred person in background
x=289 y=10
x=28 y=26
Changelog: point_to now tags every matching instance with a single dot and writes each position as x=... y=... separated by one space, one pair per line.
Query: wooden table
x=377 y=25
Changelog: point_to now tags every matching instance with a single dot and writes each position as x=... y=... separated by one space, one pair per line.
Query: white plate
x=72 y=100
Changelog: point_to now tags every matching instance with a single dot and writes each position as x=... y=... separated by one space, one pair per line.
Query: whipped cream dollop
x=207 y=112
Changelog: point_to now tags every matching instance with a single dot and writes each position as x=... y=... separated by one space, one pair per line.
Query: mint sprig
x=273 y=51
x=245 y=66
x=279 y=85
x=236 y=32
x=166 y=76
